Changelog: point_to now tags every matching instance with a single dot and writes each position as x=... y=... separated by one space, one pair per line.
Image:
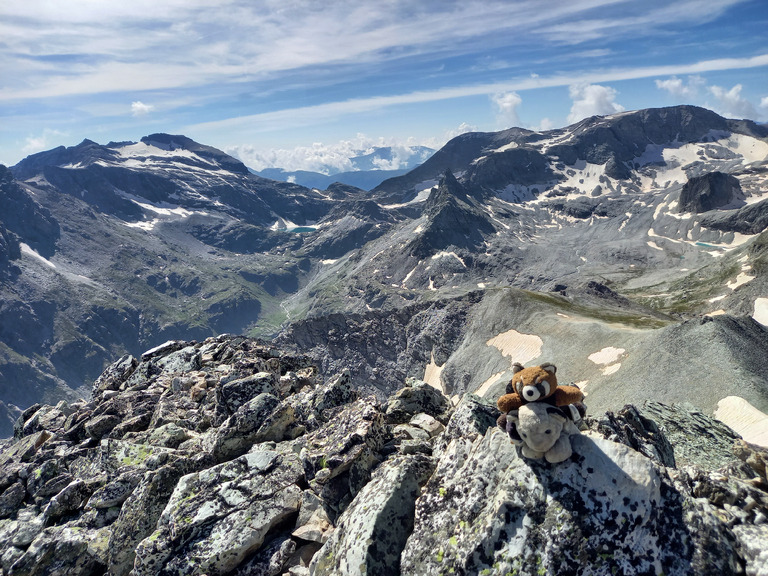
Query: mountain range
x=629 y=249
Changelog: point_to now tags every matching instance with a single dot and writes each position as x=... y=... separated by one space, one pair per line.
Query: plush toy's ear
x=516 y=367
x=551 y=368
x=557 y=413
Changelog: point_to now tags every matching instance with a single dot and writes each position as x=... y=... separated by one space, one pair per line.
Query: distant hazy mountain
x=630 y=250
x=368 y=170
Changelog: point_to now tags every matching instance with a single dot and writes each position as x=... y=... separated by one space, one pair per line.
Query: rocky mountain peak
x=232 y=457
x=171 y=143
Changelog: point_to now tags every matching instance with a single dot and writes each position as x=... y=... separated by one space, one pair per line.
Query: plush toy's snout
x=534 y=392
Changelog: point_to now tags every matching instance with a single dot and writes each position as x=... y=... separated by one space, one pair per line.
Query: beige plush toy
x=542 y=431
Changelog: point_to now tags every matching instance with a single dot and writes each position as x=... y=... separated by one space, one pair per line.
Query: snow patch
x=654 y=245
x=761 y=311
x=607 y=355
x=749 y=148
x=748 y=421
x=610 y=369
x=448 y=254
x=432 y=374
x=741 y=279
x=485 y=386
x=420 y=197
x=29 y=251
x=148 y=226
x=519 y=347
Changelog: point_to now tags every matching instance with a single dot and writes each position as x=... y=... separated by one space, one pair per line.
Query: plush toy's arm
x=509 y=402
x=565 y=395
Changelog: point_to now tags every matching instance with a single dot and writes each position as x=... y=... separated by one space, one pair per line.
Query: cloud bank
x=592 y=100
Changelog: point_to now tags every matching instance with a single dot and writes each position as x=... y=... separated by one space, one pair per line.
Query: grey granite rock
x=607 y=509
x=313 y=479
x=416 y=398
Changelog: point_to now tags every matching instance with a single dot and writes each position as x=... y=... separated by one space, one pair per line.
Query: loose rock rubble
x=232 y=457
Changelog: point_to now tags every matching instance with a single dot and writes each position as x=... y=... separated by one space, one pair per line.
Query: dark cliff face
x=25 y=217
x=230 y=456
x=710 y=191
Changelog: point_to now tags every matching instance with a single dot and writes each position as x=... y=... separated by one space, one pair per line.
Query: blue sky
x=301 y=84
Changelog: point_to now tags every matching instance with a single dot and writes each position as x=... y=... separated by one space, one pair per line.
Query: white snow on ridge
x=748 y=421
x=761 y=311
x=448 y=254
x=585 y=178
x=142 y=150
x=165 y=211
x=518 y=347
x=420 y=197
x=29 y=251
x=741 y=279
x=607 y=355
x=143 y=225
x=751 y=149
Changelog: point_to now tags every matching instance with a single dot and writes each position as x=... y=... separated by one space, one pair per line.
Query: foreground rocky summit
x=232 y=457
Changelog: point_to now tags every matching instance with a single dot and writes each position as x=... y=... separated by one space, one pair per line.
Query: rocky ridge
x=231 y=456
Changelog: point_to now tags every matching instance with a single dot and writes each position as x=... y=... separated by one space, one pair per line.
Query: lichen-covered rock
x=11 y=499
x=339 y=456
x=313 y=523
x=260 y=419
x=141 y=510
x=101 y=425
x=606 y=510
x=217 y=517
x=416 y=398
x=635 y=429
x=63 y=551
x=371 y=533
x=182 y=464
x=471 y=418
x=234 y=394
x=695 y=437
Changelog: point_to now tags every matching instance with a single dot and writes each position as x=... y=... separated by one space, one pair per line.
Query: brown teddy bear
x=539 y=384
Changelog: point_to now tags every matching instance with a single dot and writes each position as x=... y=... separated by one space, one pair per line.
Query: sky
x=302 y=84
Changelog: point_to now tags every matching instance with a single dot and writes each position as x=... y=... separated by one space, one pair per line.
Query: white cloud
x=41 y=142
x=764 y=102
x=462 y=128
x=544 y=125
x=279 y=120
x=507 y=104
x=680 y=89
x=731 y=103
x=138 y=108
x=324 y=158
x=592 y=100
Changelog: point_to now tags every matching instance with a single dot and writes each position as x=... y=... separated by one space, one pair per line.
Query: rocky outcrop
x=230 y=456
x=710 y=191
x=23 y=216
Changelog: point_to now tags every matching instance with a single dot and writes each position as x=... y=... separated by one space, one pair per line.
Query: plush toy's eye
x=547 y=431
